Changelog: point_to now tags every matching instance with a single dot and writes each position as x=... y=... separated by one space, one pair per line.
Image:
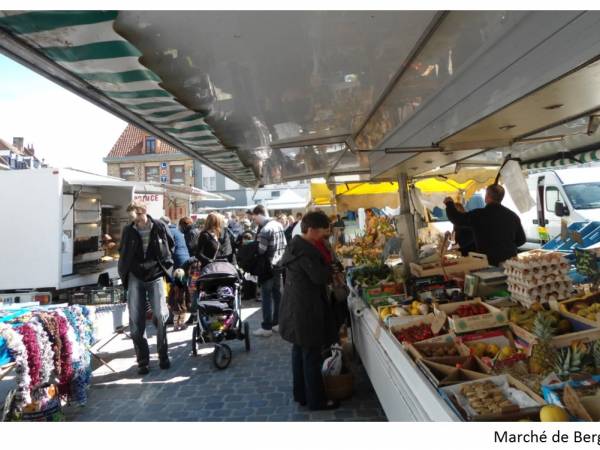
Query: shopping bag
x=332 y=366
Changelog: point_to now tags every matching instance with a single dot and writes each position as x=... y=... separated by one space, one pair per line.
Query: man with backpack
x=270 y=247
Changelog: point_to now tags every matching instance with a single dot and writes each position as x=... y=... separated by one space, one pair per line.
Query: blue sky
x=64 y=129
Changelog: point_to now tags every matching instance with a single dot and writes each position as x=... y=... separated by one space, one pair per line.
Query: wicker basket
x=339 y=387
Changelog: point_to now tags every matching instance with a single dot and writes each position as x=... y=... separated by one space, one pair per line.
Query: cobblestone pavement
x=255 y=387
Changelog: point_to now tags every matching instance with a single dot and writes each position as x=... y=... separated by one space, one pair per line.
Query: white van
x=570 y=193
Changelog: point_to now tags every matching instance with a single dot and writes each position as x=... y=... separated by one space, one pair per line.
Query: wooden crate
x=463 y=264
x=493 y=319
x=585 y=335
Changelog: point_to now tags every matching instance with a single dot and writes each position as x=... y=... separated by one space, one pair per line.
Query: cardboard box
x=444 y=375
x=501 y=337
x=584 y=408
x=564 y=306
x=528 y=402
x=436 y=321
x=416 y=349
x=583 y=332
x=493 y=319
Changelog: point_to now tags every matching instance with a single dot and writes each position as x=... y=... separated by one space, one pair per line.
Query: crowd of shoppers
x=155 y=253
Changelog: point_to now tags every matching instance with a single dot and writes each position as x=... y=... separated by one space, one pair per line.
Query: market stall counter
x=402 y=388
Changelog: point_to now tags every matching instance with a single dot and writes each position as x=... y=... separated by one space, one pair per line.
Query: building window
x=177 y=174
x=209 y=183
x=127 y=173
x=231 y=185
x=153 y=174
x=150 y=144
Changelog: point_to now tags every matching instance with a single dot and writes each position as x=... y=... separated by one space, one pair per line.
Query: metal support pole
x=406 y=225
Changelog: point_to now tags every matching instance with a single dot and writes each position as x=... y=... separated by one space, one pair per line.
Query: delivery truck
x=572 y=195
x=60 y=230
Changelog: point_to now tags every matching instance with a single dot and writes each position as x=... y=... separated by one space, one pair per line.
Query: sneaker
x=275 y=328
x=143 y=370
x=262 y=332
x=164 y=364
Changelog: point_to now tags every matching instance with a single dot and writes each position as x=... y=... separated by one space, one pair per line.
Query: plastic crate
x=590 y=234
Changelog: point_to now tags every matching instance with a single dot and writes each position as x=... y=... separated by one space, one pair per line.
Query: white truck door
x=67 y=235
x=553 y=194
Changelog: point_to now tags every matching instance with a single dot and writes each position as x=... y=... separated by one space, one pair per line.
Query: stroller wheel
x=247 y=336
x=222 y=356
x=195 y=341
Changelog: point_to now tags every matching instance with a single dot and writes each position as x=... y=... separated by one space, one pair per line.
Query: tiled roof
x=131 y=143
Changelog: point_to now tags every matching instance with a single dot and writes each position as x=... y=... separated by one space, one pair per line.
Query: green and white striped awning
x=592 y=156
x=86 y=45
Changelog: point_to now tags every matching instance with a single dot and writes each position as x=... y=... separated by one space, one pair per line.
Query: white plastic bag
x=515 y=183
x=333 y=365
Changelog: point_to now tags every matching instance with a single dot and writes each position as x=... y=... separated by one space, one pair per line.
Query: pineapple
x=595 y=351
x=569 y=360
x=542 y=354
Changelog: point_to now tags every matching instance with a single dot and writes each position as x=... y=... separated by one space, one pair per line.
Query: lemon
x=553 y=413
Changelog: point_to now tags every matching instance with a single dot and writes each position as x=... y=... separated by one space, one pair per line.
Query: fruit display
x=486 y=398
x=553 y=413
x=471 y=310
x=585 y=310
x=482 y=349
x=538 y=276
x=416 y=308
x=542 y=354
x=371 y=275
x=414 y=333
x=437 y=350
x=368 y=249
x=525 y=318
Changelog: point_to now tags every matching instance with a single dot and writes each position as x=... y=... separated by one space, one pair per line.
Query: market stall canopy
x=466 y=181
x=82 y=178
x=184 y=192
x=288 y=199
x=270 y=96
x=351 y=196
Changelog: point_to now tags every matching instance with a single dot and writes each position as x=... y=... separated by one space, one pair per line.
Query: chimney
x=30 y=150
x=18 y=142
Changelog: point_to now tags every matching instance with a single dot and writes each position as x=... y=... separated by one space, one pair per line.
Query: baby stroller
x=219 y=311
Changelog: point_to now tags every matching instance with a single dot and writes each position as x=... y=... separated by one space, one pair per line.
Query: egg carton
x=553 y=284
x=539 y=281
x=534 y=292
x=538 y=270
x=535 y=259
x=527 y=300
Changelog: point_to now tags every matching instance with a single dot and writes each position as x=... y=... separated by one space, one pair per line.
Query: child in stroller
x=219 y=311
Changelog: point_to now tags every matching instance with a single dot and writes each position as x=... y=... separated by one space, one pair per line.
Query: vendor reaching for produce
x=497 y=230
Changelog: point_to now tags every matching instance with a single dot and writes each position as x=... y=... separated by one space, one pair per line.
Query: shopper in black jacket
x=497 y=230
x=186 y=226
x=306 y=315
x=209 y=241
x=144 y=259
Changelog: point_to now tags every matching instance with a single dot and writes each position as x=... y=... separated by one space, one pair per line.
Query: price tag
x=564 y=231
x=439 y=320
x=553 y=304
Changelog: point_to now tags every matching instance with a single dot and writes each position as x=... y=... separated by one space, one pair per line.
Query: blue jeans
x=137 y=293
x=270 y=291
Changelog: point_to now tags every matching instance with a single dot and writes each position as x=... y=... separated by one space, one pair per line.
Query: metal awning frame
x=24 y=54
